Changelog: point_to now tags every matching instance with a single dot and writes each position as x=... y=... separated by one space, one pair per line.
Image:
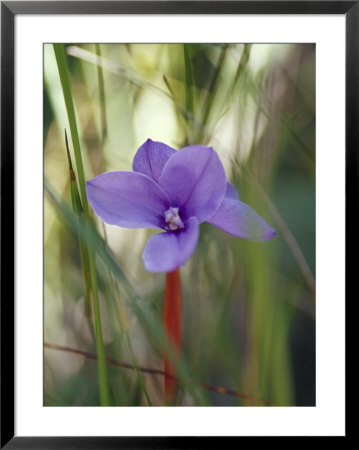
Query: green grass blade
x=208 y=103
x=189 y=85
x=101 y=87
x=66 y=88
x=78 y=211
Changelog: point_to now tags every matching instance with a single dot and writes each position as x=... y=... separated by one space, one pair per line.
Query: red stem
x=172 y=322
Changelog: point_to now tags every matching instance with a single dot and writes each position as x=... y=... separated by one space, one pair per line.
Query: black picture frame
x=9 y=10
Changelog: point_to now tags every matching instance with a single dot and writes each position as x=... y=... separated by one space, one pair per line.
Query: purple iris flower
x=174 y=191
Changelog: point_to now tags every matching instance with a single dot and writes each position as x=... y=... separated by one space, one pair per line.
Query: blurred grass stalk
x=102 y=98
x=66 y=88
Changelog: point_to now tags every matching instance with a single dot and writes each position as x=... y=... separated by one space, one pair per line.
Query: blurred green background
x=249 y=308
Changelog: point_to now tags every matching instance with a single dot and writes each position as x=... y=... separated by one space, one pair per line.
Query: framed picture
x=168 y=176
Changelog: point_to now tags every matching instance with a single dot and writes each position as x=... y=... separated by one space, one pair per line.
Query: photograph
x=179 y=196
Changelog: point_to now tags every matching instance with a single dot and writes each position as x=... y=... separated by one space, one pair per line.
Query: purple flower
x=174 y=191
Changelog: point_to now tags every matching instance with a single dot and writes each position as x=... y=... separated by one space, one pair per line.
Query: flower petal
x=231 y=191
x=127 y=199
x=237 y=218
x=195 y=181
x=167 y=251
x=151 y=158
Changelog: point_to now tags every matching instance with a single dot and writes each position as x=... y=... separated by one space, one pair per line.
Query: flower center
x=173 y=219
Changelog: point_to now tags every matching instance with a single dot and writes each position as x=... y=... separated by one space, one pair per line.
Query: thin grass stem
x=101 y=87
x=66 y=88
x=289 y=239
x=189 y=84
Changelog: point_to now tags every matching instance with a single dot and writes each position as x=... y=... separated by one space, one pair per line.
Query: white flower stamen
x=173 y=219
